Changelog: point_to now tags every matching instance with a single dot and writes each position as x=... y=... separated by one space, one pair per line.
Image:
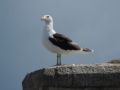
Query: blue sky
x=91 y=23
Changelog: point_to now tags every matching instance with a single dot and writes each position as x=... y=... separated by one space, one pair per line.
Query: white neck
x=49 y=25
x=49 y=28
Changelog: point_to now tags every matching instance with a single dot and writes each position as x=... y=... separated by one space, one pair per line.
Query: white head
x=47 y=19
x=48 y=23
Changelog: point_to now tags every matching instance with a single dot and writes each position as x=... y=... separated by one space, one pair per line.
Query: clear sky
x=91 y=23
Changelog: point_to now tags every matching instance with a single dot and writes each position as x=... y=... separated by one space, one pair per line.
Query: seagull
x=58 y=43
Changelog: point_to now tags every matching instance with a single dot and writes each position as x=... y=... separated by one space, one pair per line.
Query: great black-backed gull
x=59 y=43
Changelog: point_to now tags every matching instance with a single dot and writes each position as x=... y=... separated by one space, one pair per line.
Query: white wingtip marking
x=92 y=50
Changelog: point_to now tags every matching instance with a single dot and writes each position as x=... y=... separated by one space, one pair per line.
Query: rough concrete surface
x=75 y=77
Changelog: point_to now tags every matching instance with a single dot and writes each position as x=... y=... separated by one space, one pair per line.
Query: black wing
x=62 y=37
x=63 y=42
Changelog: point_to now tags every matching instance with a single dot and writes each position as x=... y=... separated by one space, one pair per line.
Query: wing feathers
x=62 y=37
x=63 y=42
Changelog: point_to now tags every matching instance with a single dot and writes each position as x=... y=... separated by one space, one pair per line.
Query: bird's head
x=47 y=19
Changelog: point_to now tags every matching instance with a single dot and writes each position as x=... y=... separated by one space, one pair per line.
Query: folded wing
x=63 y=42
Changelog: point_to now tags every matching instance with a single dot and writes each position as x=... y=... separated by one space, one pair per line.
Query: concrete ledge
x=75 y=77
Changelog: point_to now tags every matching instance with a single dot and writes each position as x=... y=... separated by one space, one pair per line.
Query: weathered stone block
x=75 y=77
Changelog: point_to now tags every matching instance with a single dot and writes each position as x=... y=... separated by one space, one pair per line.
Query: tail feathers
x=87 y=50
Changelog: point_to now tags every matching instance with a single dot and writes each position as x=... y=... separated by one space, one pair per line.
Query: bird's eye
x=47 y=16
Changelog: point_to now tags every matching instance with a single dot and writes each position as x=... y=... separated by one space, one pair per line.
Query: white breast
x=47 y=44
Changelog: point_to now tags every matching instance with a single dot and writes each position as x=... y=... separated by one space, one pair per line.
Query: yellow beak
x=42 y=18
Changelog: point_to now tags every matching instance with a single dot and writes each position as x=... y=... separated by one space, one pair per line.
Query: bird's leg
x=58 y=59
